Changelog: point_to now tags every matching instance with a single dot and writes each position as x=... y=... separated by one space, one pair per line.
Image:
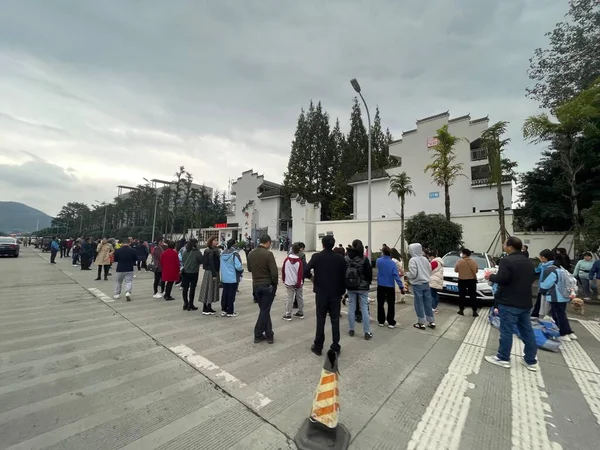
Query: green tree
x=435 y=232
x=358 y=143
x=572 y=62
x=501 y=169
x=578 y=120
x=321 y=155
x=591 y=228
x=444 y=170
x=296 y=178
x=401 y=186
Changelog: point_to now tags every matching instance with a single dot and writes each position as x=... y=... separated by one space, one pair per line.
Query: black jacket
x=329 y=279
x=365 y=270
x=211 y=261
x=125 y=258
x=515 y=278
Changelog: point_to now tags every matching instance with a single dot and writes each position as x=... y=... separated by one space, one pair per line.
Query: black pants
x=535 y=312
x=559 y=314
x=85 y=261
x=228 y=297
x=189 y=281
x=387 y=295
x=463 y=287
x=68 y=252
x=333 y=306
x=168 y=287
x=62 y=252
x=106 y=267
x=158 y=281
x=142 y=265
x=264 y=297
x=53 y=255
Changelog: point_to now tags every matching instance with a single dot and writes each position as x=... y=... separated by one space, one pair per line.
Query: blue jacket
x=387 y=272
x=55 y=245
x=548 y=285
x=231 y=266
x=595 y=270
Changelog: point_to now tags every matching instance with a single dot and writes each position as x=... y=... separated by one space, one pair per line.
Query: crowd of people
x=341 y=275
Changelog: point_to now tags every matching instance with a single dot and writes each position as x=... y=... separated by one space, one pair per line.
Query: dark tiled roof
x=436 y=116
x=267 y=193
x=458 y=119
x=404 y=133
x=482 y=119
x=376 y=174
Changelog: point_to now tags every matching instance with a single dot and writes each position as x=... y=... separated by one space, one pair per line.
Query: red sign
x=432 y=142
x=220 y=225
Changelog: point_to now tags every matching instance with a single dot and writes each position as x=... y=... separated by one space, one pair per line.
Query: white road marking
x=444 y=420
x=593 y=327
x=530 y=407
x=586 y=374
x=256 y=400
x=101 y=295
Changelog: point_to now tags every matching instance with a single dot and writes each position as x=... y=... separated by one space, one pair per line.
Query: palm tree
x=401 y=186
x=443 y=169
x=501 y=168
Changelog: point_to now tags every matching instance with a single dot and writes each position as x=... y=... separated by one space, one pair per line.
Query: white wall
x=269 y=215
x=246 y=189
x=485 y=198
x=304 y=216
x=538 y=241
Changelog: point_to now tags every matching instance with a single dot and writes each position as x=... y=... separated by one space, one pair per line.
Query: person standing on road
x=170 y=270
x=419 y=275
x=582 y=274
x=141 y=251
x=436 y=283
x=192 y=260
x=86 y=254
x=231 y=270
x=157 y=251
x=103 y=259
x=63 y=248
x=595 y=278
x=328 y=272
x=397 y=259
x=292 y=276
x=209 y=290
x=359 y=276
x=54 y=248
x=467 y=269
x=387 y=276
x=550 y=289
x=514 y=278
x=265 y=278
x=125 y=258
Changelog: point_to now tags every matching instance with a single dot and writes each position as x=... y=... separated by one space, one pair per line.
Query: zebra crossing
x=79 y=372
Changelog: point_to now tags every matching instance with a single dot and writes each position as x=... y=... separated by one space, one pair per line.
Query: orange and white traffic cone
x=322 y=429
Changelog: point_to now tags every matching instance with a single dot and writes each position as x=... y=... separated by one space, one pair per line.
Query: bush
x=435 y=232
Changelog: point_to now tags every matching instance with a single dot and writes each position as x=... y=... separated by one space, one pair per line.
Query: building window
x=478 y=154
x=481 y=172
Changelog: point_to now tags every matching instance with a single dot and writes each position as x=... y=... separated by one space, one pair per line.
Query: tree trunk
x=447 y=200
x=402 y=253
x=501 y=215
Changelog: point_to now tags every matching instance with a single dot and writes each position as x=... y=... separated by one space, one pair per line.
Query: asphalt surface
x=79 y=370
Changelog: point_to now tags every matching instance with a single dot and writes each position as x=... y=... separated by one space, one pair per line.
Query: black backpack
x=353 y=273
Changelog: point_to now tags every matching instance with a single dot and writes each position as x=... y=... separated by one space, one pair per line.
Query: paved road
x=80 y=371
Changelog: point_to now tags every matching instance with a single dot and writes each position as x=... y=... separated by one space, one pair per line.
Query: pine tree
x=297 y=177
x=336 y=207
x=391 y=161
x=378 y=144
x=356 y=155
x=320 y=158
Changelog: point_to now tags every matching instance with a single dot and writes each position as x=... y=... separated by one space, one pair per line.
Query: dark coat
x=327 y=270
x=515 y=278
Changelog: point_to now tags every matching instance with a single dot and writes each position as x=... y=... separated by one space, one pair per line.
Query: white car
x=484 y=262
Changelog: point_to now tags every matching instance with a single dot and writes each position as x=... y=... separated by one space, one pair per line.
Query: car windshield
x=5 y=240
x=481 y=260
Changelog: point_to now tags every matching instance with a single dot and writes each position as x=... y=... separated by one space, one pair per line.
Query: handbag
x=151 y=267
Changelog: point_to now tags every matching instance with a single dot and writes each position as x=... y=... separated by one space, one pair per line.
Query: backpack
x=353 y=273
x=566 y=284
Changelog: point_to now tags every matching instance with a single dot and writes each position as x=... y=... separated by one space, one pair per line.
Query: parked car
x=9 y=247
x=484 y=262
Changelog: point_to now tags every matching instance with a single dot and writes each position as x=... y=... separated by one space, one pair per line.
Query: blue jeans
x=363 y=298
x=509 y=317
x=435 y=298
x=422 y=296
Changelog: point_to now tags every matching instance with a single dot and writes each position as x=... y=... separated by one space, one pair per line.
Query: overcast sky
x=99 y=93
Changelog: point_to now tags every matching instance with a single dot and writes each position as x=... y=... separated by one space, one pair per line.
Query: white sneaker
x=117 y=297
x=235 y=314
x=128 y=296
x=157 y=295
x=223 y=314
x=498 y=362
x=391 y=327
x=564 y=339
x=135 y=276
x=530 y=367
x=573 y=337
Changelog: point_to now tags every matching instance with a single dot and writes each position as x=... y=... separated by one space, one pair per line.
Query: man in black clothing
x=514 y=299
x=328 y=272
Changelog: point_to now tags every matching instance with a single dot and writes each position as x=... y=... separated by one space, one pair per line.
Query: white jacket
x=437 y=275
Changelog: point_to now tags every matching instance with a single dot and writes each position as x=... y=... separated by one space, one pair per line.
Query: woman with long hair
x=436 y=283
x=191 y=260
x=397 y=258
x=209 y=290
x=103 y=258
x=169 y=262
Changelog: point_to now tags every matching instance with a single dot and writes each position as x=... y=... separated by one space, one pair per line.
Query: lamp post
x=104 y=222
x=155 y=207
x=356 y=87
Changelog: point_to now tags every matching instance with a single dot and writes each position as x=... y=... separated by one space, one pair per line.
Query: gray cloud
x=121 y=90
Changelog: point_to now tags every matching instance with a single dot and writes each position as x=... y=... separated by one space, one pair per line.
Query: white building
x=470 y=194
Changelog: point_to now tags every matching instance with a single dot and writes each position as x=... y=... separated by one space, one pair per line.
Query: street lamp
x=356 y=87
x=155 y=207
x=105 y=210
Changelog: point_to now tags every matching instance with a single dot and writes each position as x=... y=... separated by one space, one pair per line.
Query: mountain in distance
x=19 y=218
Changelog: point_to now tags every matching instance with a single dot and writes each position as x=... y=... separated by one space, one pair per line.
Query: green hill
x=17 y=217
